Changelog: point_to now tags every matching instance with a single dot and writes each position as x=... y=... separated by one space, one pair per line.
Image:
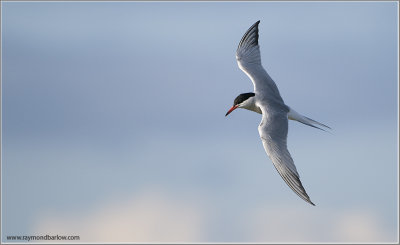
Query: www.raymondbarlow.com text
x=43 y=238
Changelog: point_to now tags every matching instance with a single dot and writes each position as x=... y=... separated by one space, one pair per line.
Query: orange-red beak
x=232 y=109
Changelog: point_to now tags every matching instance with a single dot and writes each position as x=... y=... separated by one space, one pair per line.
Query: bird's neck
x=251 y=105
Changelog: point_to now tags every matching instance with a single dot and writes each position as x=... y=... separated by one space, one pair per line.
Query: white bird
x=267 y=101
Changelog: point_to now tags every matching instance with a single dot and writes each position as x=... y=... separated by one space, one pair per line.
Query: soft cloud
x=284 y=224
x=148 y=218
x=158 y=217
x=360 y=226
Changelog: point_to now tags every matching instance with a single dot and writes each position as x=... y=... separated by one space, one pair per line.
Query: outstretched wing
x=273 y=132
x=249 y=61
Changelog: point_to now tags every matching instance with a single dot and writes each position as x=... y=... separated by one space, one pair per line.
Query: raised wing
x=248 y=50
x=249 y=61
x=273 y=132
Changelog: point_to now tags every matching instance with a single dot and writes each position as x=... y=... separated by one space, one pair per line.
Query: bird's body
x=267 y=101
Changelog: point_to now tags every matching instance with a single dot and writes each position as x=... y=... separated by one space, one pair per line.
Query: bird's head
x=245 y=101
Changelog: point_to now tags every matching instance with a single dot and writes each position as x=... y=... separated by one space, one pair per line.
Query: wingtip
x=257 y=23
x=250 y=38
x=307 y=199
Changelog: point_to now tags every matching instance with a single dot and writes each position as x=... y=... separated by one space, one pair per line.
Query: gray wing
x=249 y=61
x=273 y=132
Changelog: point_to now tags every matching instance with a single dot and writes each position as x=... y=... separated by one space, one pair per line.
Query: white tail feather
x=293 y=115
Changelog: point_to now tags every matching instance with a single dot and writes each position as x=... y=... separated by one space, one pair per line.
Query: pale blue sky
x=113 y=121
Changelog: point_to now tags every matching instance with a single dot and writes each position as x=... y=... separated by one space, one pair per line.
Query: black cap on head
x=242 y=97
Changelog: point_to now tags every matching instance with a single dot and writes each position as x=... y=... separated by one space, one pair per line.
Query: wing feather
x=273 y=132
x=249 y=61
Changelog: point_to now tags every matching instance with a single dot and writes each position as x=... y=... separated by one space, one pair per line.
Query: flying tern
x=267 y=101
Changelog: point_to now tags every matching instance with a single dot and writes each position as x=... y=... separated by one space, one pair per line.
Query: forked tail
x=293 y=115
